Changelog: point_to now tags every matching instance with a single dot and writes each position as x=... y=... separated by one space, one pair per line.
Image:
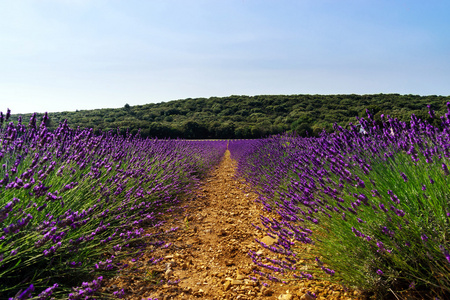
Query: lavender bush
x=366 y=208
x=72 y=203
x=239 y=147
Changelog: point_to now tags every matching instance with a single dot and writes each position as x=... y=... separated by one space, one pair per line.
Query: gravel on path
x=207 y=257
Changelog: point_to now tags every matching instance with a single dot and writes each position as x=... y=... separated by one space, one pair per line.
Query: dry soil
x=208 y=255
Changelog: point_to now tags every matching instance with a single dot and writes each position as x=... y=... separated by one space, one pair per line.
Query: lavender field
x=74 y=204
x=366 y=208
x=369 y=209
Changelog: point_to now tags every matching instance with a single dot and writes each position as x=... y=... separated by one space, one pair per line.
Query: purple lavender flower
x=445 y=252
x=328 y=271
x=405 y=179
x=380 y=245
x=47 y=292
x=26 y=293
x=431 y=112
x=382 y=207
x=8 y=114
x=445 y=169
x=119 y=294
x=431 y=179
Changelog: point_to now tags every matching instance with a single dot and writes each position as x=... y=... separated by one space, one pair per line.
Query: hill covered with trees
x=248 y=116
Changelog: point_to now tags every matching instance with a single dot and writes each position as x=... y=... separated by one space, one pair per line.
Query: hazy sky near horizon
x=63 y=55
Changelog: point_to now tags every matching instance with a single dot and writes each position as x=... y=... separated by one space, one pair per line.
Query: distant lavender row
x=239 y=147
x=368 y=208
x=72 y=204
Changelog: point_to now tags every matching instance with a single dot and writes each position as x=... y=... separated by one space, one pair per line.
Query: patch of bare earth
x=208 y=256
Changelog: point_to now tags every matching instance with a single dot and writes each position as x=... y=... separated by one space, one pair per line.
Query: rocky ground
x=207 y=257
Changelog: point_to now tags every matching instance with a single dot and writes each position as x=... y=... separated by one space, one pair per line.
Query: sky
x=67 y=55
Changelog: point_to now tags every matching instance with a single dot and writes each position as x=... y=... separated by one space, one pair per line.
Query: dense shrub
x=369 y=208
x=72 y=204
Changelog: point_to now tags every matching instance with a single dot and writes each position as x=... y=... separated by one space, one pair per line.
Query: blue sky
x=63 y=55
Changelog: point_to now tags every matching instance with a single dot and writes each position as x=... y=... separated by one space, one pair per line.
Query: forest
x=247 y=117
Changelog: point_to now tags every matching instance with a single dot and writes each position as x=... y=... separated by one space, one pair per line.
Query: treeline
x=248 y=116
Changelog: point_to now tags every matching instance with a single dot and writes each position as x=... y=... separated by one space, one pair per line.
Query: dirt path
x=208 y=255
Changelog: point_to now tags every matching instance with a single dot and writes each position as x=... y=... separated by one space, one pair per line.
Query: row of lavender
x=73 y=204
x=370 y=209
